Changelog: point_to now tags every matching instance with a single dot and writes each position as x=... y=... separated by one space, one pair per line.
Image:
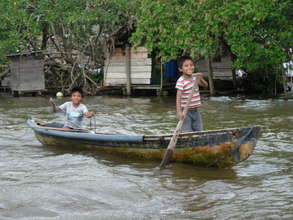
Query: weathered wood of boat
x=220 y=148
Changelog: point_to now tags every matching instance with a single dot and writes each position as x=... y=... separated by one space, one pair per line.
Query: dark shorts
x=192 y=121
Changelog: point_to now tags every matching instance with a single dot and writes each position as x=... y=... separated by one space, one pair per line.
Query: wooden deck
x=160 y=90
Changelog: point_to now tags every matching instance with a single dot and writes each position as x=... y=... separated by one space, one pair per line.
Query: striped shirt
x=185 y=85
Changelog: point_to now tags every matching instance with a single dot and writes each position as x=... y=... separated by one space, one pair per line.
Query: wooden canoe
x=215 y=148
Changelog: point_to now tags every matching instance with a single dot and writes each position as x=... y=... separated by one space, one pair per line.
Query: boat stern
x=246 y=145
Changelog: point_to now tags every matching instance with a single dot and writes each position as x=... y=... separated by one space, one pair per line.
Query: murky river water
x=39 y=182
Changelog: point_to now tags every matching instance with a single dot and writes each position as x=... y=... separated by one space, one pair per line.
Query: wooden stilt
x=128 y=70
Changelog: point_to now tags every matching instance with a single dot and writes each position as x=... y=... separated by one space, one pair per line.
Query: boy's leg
x=196 y=123
x=187 y=127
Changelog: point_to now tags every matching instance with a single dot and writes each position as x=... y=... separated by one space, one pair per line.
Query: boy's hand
x=89 y=114
x=54 y=107
x=51 y=101
x=181 y=116
x=202 y=82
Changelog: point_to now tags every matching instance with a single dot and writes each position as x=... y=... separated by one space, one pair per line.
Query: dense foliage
x=257 y=33
x=80 y=32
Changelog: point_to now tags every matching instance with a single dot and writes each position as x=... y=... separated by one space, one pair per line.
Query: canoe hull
x=223 y=148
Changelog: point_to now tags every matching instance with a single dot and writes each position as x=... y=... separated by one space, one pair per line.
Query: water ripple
x=39 y=182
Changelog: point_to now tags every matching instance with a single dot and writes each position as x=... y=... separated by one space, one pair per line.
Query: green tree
x=257 y=33
x=80 y=33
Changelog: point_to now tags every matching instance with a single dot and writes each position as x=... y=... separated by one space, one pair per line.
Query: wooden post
x=210 y=76
x=234 y=79
x=128 y=70
x=161 y=86
x=285 y=85
x=160 y=91
x=275 y=89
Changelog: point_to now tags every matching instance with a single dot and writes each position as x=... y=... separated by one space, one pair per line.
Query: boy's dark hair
x=77 y=89
x=182 y=59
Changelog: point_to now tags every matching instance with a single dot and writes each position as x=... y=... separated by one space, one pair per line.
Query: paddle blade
x=167 y=158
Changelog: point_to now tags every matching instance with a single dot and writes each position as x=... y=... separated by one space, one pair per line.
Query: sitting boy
x=74 y=110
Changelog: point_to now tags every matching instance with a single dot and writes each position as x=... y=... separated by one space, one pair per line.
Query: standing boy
x=74 y=110
x=192 y=121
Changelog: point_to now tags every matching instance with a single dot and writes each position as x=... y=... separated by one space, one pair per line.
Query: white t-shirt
x=74 y=115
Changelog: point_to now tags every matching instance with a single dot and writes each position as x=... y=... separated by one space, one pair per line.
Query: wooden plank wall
x=27 y=74
x=222 y=70
x=140 y=67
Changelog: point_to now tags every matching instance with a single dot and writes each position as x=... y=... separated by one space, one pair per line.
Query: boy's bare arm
x=202 y=82
x=54 y=107
x=178 y=105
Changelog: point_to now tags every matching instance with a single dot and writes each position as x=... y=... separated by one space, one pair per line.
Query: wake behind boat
x=217 y=148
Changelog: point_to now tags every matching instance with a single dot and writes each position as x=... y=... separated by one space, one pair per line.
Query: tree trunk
x=3 y=74
x=210 y=76
x=233 y=57
x=45 y=35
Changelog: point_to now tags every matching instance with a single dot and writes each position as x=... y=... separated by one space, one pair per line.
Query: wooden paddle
x=172 y=144
x=62 y=129
x=69 y=130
